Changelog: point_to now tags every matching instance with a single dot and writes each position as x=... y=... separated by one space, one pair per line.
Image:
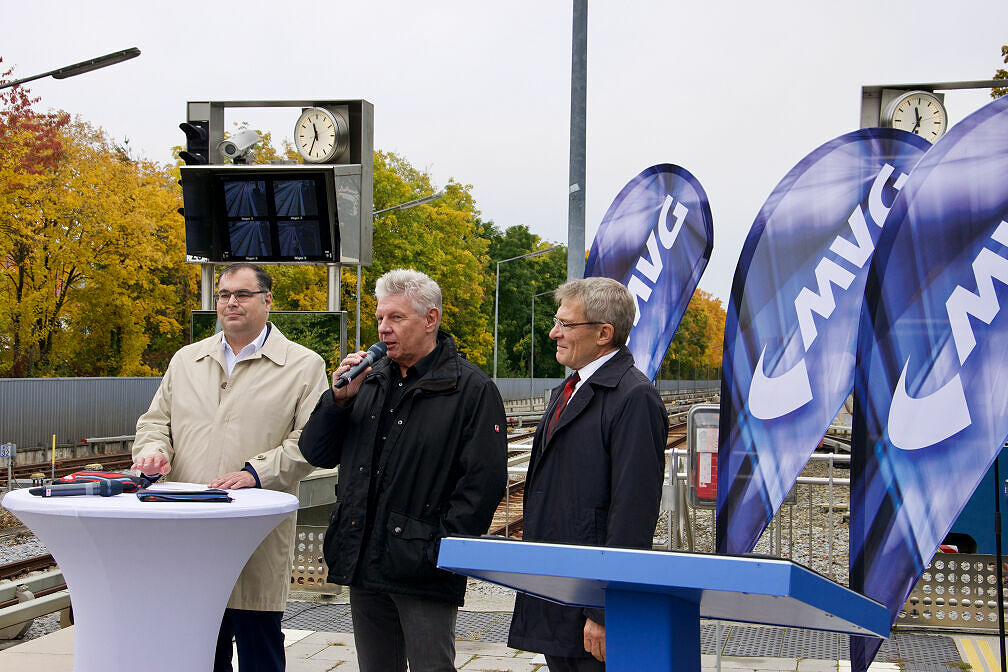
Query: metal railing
x=692 y=529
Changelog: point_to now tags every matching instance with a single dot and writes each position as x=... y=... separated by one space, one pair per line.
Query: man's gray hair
x=418 y=287
x=604 y=300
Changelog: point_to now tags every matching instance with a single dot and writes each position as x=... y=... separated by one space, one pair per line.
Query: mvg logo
x=771 y=398
x=651 y=267
x=920 y=422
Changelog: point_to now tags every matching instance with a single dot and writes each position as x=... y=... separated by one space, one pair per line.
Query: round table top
x=247 y=502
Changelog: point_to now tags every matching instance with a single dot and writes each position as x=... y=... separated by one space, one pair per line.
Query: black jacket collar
x=442 y=376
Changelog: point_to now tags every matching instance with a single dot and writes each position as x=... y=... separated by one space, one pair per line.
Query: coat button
x=363 y=468
x=223 y=385
x=397 y=530
x=399 y=422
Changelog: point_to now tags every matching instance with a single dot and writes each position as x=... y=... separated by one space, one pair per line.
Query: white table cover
x=149 y=581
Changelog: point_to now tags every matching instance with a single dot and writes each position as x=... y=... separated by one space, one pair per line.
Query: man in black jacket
x=598 y=459
x=421 y=443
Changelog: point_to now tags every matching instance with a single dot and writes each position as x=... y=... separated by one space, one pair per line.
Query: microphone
x=374 y=353
x=104 y=487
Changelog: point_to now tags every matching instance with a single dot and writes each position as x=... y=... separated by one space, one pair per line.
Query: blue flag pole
x=997 y=552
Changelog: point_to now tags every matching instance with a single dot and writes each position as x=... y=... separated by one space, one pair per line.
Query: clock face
x=319 y=135
x=919 y=112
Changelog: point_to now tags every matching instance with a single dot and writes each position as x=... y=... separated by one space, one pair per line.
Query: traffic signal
x=197 y=151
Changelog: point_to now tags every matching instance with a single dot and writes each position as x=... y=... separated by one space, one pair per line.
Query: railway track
x=110 y=462
x=507 y=520
x=45 y=579
x=12 y=570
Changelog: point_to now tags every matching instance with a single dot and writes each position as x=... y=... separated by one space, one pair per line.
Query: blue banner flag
x=655 y=239
x=930 y=409
x=791 y=324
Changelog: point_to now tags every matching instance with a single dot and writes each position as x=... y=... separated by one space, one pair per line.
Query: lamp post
x=497 y=294
x=80 y=68
x=410 y=204
x=532 y=350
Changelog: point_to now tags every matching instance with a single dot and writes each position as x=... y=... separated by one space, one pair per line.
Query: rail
x=28 y=597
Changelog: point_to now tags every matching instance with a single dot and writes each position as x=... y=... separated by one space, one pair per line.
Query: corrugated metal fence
x=33 y=409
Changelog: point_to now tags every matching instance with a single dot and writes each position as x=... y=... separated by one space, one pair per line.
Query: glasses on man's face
x=564 y=326
x=242 y=295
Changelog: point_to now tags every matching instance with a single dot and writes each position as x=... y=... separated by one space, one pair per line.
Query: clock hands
x=314 y=138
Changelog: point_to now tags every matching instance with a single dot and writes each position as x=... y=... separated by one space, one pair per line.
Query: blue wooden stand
x=654 y=600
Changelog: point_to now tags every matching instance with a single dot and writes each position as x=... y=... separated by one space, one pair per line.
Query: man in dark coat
x=420 y=440
x=598 y=459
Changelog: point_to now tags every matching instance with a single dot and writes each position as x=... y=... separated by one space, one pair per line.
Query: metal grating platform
x=471 y=626
x=914 y=652
x=708 y=630
x=750 y=640
x=928 y=653
x=810 y=644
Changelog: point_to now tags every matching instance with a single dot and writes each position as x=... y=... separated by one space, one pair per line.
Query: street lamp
x=497 y=294
x=532 y=360
x=81 y=68
x=410 y=204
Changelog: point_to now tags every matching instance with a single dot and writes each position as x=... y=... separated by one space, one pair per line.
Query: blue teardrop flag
x=655 y=239
x=791 y=325
x=930 y=412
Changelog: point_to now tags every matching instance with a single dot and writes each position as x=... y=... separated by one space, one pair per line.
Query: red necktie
x=564 y=398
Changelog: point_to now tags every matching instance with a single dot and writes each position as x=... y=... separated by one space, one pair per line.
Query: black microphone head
x=108 y=487
x=378 y=350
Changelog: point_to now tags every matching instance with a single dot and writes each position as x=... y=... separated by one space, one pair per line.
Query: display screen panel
x=261 y=215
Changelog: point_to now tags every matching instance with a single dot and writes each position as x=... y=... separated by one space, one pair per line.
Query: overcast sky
x=735 y=92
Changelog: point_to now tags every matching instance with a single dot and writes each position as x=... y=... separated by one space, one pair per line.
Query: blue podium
x=654 y=600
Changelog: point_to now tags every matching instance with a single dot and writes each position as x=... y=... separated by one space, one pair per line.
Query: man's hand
x=344 y=394
x=594 y=639
x=152 y=464
x=234 y=481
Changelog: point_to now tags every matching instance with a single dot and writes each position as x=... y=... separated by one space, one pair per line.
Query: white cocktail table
x=149 y=581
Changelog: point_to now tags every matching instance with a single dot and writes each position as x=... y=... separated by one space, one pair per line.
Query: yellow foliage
x=92 y=252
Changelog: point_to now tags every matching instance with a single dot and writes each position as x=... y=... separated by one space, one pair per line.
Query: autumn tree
x=696 y=348
x=444 y=239
x=1001 y=73
x=30 y=150
x=92 y=253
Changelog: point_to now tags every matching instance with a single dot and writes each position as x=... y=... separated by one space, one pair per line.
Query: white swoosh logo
x=771 y=398
x=919 y=423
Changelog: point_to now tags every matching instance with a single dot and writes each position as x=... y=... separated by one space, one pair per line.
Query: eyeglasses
x=242 y=295
x=557 y=322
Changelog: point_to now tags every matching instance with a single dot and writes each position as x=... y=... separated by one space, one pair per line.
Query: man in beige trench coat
x=229 y=413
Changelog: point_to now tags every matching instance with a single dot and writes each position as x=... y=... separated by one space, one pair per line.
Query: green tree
x=520 y=280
